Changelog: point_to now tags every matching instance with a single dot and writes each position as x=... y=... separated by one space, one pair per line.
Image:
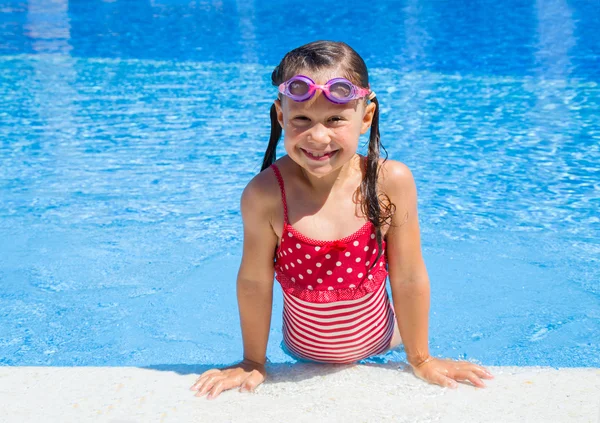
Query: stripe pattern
x=340 y=331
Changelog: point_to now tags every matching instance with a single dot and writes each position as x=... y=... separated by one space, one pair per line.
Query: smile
x=318 y=156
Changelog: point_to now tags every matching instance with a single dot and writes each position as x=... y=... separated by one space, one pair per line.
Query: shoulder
x=397 y=182
x=396 y=179
x=261 y=196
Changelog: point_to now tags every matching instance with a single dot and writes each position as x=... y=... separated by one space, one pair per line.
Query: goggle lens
x=298 y=88
x=340 y=90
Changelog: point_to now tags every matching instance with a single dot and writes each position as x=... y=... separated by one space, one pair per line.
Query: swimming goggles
x=337 y=90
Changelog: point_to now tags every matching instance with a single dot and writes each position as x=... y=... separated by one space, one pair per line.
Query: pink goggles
x=337 y=90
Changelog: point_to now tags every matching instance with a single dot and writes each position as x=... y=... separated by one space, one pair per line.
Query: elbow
x=417 y=283
x=253 y=287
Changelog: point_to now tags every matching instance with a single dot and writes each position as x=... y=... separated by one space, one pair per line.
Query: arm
x=254 y=291
x=410 y=285
x=255 y=277
x=408 y=275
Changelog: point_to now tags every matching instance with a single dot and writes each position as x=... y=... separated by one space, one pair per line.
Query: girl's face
x=321 y=136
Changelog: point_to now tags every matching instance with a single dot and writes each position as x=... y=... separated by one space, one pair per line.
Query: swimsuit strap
x=282 y=187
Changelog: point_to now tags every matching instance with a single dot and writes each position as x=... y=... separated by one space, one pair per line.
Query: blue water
x=128 y=130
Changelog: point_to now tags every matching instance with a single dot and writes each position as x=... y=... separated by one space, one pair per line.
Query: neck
x=323 y=185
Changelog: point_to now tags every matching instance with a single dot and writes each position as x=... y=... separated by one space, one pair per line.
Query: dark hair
x=315 y=57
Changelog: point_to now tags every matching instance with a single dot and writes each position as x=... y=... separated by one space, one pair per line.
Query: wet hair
x=322 y=55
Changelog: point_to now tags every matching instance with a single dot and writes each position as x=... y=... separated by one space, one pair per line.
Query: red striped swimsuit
x=336 y=308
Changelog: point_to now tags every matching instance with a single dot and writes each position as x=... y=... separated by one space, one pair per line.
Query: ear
x=279 y=112
x=367 y=117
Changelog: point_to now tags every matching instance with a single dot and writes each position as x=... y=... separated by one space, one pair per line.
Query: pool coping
x=297 y=393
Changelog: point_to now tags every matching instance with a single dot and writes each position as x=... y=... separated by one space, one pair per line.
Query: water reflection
x=247 y=13
x=556 y=38
x=48 y=26
x=416 y=38
x=508 y=38
x=556 y=136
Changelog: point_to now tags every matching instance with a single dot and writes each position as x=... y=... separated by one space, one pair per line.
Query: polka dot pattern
x=325 y=271
x=329 y=265
x=324 y=266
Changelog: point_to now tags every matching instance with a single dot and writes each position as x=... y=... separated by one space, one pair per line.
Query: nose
x=319 y=133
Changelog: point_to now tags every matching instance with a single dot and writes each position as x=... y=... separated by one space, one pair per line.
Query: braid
x=269 y=158
x=371 y=201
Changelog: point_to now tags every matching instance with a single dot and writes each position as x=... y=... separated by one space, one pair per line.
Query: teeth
x=316 y=154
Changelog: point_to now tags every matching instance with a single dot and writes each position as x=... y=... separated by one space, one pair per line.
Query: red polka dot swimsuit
x=336 y=308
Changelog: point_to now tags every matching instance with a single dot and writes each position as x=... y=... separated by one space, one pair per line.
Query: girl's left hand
x=447 y=372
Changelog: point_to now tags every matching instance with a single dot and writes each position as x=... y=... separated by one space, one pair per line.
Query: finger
x=252 y=381
x=474 y=379
x=462 y=366
x=483 y=373
x=221 y=386
x=477 y=370
x=439 y=378
x=208 y=384
x=209 y=372
x=446 y=382
x=480 y=370
x=202 y=378
x=466 y=375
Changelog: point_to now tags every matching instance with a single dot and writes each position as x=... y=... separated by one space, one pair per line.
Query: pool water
x=128 y=130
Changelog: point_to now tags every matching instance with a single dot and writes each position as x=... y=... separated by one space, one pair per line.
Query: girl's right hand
x=246 y=375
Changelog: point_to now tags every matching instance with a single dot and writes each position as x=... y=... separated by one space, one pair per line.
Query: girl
x=298 y=214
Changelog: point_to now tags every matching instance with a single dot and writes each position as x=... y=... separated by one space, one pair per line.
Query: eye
x=335 y=119
x=300 y=121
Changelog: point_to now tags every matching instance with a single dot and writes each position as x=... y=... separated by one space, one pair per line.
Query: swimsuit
x=336 y=308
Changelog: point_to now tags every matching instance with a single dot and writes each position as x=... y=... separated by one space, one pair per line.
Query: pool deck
x=296 y=393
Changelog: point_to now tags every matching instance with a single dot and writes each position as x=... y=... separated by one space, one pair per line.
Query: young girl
x=331 y=224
